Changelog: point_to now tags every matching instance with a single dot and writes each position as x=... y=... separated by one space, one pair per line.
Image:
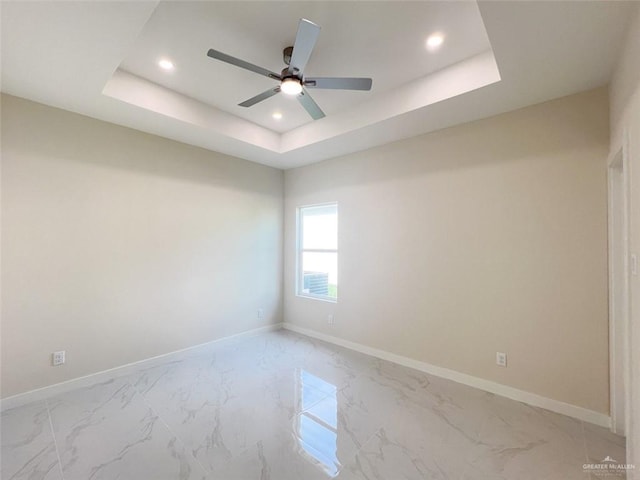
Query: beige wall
x=625 y=130
x=626 y=78
x=485 y=237
x=118 y=246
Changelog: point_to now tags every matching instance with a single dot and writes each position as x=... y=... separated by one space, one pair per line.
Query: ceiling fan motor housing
x=285 y=74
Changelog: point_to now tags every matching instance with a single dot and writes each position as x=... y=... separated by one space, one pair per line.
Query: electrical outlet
x=330 y=319
x=260 y=313
x=501 y=359
x=58 y=358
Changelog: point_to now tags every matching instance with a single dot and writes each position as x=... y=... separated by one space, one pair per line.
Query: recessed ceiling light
x=165 y=64
x=277 y=115
x=434 y=41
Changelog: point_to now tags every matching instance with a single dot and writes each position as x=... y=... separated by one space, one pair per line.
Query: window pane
x=320 y=227
x=320 y=273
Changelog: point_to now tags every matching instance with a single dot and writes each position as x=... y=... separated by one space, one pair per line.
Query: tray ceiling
x=101 y=59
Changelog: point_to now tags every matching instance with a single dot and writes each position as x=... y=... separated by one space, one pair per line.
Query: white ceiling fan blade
x=306 y=39
x=310 y=106
x=242 y=64
x=339 y=83
x=260 y=97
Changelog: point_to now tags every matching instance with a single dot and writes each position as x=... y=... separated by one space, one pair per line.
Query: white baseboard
x=482 y=384
x=98 y=377
x=529 y=398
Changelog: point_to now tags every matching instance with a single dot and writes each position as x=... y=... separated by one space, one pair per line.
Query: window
x=317 y=268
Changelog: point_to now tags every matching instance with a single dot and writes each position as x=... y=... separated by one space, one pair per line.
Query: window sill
x=317 y=297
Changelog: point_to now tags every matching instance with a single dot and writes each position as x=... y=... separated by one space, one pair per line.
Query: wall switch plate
x=501 y=359
x=330 y=319
x=58 y=358
x=260 y=313
x=634 y=264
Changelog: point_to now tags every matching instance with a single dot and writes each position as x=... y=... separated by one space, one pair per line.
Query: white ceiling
x=258 y=32
x=100 y=59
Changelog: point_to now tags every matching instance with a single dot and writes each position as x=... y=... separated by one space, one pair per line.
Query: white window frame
x=299 y=251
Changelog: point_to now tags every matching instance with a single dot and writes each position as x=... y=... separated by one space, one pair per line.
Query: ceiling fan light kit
x=291 y=86
x=292 y=80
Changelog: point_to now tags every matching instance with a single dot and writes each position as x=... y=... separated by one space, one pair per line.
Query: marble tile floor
x=281 y=406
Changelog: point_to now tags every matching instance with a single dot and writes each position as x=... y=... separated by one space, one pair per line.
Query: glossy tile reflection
x=281 y=406
x=317 y=425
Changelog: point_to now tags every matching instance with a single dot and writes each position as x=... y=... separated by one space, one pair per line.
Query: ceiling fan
x=292 y=79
